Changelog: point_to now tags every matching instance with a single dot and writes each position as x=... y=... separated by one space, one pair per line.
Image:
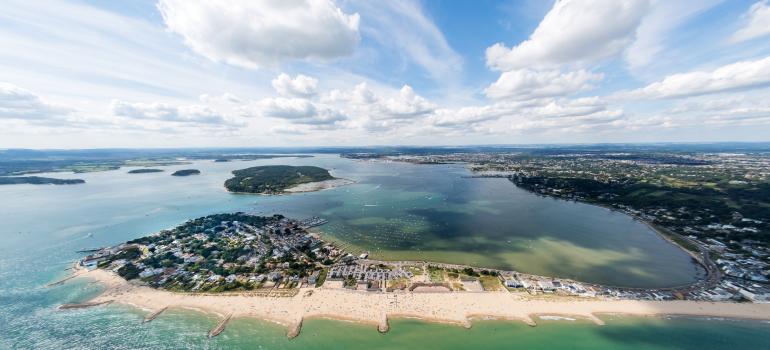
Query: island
x=279 y=179
x=186 y=172
x=38 y=180
x=145 y=171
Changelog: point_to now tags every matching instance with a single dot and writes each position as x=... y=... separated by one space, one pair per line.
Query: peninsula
x=37 y=180
x=278 y=179
x=270 y=267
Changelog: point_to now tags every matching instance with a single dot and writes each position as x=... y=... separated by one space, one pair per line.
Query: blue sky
x=169 y=73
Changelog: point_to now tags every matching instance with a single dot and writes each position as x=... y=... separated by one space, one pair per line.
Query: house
x=149 y=272
x=546 y=286
x=512 y=282
x=274 y=276
x=214 y=278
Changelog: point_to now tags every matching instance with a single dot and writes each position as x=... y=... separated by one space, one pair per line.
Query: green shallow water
x=620 y=333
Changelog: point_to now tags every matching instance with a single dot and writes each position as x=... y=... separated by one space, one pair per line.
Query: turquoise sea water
x=394 y=210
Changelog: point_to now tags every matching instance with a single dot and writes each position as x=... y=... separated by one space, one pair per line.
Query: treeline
x=699 y=203
x=274 y=178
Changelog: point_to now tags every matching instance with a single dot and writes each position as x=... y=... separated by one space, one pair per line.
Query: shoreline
x=319 y=185
x=701 y=259
x=375 y=308
x=302 y=188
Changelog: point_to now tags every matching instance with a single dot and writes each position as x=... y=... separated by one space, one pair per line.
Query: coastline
x=301 y=188
x=375 y=308
x=319 y=185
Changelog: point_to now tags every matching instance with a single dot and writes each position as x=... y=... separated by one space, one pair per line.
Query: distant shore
x=376 y=307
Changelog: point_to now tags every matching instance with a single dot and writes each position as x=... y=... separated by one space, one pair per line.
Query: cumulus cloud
x=167 y=113
x=361 y=94
x=299 y=86
x=527 y=83
x=574 y=32
x=296 y=110
x=539 y=114
x=358 y=108
x=741 y=75
x=407 y=104
x=756 y=23
x=19 y=103
x=252 y=34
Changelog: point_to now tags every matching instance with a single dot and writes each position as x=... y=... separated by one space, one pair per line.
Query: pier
x=220 y=326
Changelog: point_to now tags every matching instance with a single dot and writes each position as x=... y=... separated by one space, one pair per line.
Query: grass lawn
x=321 y=277
x=436 y=275
x=490 y=283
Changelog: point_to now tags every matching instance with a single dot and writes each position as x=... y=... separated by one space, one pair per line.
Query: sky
x=256 y=73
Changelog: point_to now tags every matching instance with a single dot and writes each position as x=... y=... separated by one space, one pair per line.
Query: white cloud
x=526 y=83
x=741 y=75
x=252 y=34
x=361 y=94
x=407 y=104
x=19 y=103
x=572 y=32
x=728 y=109
x=300 y=86
x=756 y=23
x=295 y=110
x=540 y=114
x=163 y=112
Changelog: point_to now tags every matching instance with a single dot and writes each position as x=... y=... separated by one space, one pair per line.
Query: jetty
x=61 y=281
x=220 y=326
x=154 y=314
x=294 y=329
x=88 y=250
x=82 y=305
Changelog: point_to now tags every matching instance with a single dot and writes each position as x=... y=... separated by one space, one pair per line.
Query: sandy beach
x=319 y=185
x=375 y=308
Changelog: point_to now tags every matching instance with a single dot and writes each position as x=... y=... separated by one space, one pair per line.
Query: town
x=276 y=256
